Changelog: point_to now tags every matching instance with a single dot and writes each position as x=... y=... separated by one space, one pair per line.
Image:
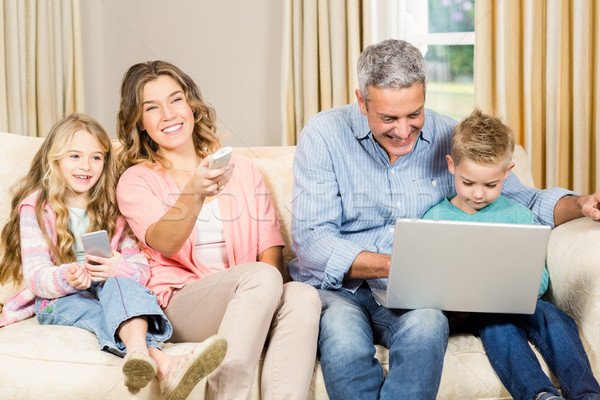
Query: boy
x=482 y=148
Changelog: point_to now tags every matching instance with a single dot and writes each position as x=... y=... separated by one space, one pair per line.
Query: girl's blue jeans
x=505 y=338
x=103 y=307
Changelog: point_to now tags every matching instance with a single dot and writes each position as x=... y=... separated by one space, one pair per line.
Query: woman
x=212 y=237
x=69 y=191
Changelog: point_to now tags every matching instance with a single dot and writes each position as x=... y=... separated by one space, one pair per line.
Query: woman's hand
x=209 y=182
x=78 y=277
x=168 y=234
x=100 y=268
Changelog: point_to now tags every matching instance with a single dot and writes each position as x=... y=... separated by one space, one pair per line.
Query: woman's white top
x=209 y=247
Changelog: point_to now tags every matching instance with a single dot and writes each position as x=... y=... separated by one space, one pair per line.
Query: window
x=444 y=31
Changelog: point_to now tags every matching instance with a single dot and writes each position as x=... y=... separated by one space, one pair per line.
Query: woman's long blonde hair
x=45 y=179
x=138 y=147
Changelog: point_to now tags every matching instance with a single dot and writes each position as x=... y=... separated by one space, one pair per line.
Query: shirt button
x=393 y=171
x=434 y=182
x=398 y=204
x=392 y=229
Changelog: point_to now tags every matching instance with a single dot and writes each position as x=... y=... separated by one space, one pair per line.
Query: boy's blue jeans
x=505 y=338
x=352 y=322
x=103 y=307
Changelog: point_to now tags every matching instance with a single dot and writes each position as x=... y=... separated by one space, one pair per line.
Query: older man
x=357 y=169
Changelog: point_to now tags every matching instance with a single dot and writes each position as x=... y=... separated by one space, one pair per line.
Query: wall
x=231 y=48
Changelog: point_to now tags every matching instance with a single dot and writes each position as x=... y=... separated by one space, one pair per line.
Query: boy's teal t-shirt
x=502 y=210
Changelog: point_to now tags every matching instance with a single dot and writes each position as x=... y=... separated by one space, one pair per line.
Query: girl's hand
x=100 y=268
x=209 y=182
x=78 y=277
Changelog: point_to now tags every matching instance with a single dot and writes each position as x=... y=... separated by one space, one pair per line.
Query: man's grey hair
x=390 y=64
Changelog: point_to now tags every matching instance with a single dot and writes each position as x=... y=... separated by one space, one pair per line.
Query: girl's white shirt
x=78 y=225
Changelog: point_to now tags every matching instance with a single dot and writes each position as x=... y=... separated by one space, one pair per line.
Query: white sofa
x=53 y=362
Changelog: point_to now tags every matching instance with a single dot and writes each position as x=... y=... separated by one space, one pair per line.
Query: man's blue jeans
x=350 y=325
x=505 y=338
x=103 y=307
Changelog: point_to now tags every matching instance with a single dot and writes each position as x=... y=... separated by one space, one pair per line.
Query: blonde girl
x=70 y=190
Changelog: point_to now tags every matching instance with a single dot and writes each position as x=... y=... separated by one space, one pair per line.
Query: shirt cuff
x=343 y=255
x=545 y=209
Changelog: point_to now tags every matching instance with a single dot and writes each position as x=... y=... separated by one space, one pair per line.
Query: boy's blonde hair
x=45 y=179
x=483 y=139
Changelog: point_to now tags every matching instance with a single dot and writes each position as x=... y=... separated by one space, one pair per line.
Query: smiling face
x=166 y=116
x=477 y=185
x=396 y=117
x=81 y=167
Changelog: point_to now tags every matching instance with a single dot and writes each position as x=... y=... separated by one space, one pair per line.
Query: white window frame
x=409 y=20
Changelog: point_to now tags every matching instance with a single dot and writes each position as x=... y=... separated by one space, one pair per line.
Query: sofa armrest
x=574 y=264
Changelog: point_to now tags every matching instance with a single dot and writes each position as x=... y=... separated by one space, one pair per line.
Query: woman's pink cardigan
x=250 y=222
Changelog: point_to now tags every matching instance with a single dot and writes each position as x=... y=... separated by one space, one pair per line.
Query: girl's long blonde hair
x=138 y=147
x=44 y=177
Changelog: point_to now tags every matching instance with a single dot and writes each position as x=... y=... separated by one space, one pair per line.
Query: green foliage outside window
x=452 y=16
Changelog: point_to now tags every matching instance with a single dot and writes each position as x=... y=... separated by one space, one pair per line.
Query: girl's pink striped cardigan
x=45 y=279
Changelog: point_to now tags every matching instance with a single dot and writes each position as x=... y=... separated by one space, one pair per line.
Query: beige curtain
x=41 y=66
x=536 y=66
x=322 y=42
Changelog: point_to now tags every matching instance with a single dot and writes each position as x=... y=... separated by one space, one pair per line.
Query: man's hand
x=369 y=265
x=571 y=207
x=590 y=205
x=78 y=277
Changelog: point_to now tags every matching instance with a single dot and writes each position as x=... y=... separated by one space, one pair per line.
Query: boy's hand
x=105 y=267
x=78 y=277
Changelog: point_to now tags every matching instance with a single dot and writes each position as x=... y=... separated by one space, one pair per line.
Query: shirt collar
x=360 y=124
x=427 y=131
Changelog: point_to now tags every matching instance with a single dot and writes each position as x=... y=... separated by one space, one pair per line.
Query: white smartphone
x=96 y=244
x=220 y=158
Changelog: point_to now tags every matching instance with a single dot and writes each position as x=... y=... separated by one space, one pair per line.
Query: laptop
x=465 y=266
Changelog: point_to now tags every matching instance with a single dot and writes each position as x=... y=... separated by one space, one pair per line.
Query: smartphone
x=220 y=158
x=96 y=244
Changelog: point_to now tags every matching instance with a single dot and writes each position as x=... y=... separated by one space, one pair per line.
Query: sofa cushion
x=54 y=362
x=64 y=362
x=16 y=153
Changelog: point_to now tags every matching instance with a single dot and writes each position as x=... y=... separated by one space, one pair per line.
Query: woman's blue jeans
x=350 y=325
x=505 y=338
x=103 y=307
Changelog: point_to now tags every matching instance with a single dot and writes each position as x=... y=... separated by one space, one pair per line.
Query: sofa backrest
x=275 y=164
